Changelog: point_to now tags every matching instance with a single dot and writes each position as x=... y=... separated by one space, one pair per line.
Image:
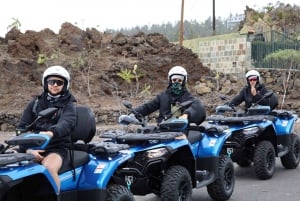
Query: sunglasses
x=57 y=82
x=253 y=80
x=177 y=80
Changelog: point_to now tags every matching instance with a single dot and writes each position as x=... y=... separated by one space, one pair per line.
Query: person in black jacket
x=55 y=81
x=254 y=92
x=175 y=93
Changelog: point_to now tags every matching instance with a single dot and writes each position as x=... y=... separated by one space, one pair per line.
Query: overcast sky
x=115 y=14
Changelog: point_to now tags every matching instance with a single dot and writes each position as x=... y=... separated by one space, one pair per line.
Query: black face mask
x=176 y=88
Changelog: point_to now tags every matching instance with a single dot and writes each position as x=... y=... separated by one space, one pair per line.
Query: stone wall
x=230 y=55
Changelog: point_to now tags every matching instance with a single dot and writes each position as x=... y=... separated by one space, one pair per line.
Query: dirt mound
x=94 y=60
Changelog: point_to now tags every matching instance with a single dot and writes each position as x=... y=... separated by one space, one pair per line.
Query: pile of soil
x=96 y=61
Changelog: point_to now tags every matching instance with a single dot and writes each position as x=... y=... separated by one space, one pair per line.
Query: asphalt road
x=283 y=186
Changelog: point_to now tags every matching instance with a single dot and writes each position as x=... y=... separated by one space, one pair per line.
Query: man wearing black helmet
x=55 y=81
x=175 y=93
x=254 y=92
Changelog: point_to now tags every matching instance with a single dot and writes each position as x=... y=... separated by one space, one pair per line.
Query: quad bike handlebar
x=254 y=109
x=42 y=114
x=169 y=123
x=129 y=119
x=28 y=139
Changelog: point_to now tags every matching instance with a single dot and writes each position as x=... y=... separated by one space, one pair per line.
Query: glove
x=137 y=117
x=128 y=119
x=132 y=115
x=124 y=119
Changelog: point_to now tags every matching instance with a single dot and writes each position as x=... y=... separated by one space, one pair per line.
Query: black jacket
x=245 y=95
x=163 y=102
x=61 y=123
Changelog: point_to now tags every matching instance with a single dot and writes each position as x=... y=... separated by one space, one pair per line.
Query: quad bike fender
x=208 y=164
x=211 y=145
x=17 y=174
x=67 y=180
x=277 y=131
x=257 y=130
x=284 y=126
x=241 y=134
x=185 y=157
x=176 y=150
x=99 y=170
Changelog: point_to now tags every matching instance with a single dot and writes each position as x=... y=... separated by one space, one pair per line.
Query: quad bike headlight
x=155 y=153
x=249 y=131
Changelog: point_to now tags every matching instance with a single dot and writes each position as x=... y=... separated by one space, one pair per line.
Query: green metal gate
x=268 y=42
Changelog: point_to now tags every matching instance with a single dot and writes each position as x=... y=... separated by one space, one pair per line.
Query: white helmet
x=252 y=73
x=177 y=70
x=57 y=71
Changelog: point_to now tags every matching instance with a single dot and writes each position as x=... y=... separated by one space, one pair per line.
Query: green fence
x=266 y=43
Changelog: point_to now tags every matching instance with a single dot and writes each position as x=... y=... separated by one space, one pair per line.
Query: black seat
x=194 y=136
x=86 y=126
x=84 y=130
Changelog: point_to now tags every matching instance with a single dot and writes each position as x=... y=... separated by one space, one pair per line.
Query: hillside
x=93 y=59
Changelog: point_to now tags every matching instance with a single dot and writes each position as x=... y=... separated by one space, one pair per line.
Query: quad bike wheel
x=264 y=160
x=119 y=193
x=292 y=158
x=222 y=188
x=176 y=185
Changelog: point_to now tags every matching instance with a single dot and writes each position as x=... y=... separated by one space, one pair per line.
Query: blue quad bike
x=258 y=136
x=169 y=164
x=86 y=174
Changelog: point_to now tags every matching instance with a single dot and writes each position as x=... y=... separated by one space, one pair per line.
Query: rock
x=201 y=89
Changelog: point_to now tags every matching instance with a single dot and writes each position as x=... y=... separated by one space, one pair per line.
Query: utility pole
x=214 y=19
x=181 y=23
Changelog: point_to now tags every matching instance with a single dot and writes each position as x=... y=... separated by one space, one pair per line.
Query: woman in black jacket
x=55 y=81
x=175 y=93
x=253 y=92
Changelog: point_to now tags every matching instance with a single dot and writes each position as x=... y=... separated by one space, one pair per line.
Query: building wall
x=226 y=55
